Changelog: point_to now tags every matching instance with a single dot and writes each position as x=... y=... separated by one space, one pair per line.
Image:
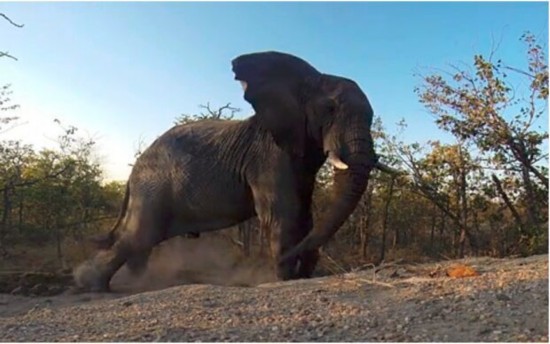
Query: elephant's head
x=302 y=107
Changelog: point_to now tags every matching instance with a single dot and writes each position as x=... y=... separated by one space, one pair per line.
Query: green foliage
x=53 y=194
x=487 y=193
x=485 y=110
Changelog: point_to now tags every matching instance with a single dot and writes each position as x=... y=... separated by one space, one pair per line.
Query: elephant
x=209 y=175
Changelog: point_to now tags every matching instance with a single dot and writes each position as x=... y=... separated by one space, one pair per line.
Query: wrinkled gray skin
x=211 y=175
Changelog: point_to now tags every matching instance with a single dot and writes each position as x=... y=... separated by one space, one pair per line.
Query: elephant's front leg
x=307 y=260
x=279 y=212
x=282 y=240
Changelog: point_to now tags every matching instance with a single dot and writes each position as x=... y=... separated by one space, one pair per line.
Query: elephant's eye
x=330 y=107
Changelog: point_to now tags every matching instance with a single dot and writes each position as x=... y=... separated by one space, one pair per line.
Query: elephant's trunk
x=349 y=185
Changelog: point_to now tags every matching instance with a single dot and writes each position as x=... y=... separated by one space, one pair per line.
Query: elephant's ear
x=272 y=84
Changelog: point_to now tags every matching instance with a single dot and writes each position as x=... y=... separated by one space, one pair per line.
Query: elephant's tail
x=105 y=241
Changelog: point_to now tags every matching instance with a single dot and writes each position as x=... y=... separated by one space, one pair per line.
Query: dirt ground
x=209 y=260
x=198 y=292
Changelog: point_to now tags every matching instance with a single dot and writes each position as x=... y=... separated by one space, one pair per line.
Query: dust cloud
x=210 y=259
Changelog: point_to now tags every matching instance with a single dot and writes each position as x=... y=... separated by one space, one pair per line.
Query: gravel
x=507 y=302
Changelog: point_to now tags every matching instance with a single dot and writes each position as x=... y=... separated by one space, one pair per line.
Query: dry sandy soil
x=215 y=299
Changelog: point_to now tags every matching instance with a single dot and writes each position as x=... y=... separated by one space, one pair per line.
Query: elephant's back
x=192 y=138
x=192 y=167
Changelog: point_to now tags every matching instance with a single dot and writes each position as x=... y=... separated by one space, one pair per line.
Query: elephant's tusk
x=335 y=161
x=244 y=85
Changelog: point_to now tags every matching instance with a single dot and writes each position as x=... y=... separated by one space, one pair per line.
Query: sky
x=122 y=72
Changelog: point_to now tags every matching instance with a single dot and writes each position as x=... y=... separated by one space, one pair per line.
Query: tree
x=12 y=153
x=49 y=195
x=52 y=195
x=14 y=156
x=484 y=108
x=61 y=191
x=209 y=113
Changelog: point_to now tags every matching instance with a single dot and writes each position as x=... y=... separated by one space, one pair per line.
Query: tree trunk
x=395 y=241
x=6 y=207
x=366 y=217
x=462 y=241
x=463 y=202
x=20 y=215
x=476 y=248
x=385 y=220
x=508 y=203
x=432 y=229
x=531 y=204
x=442 y=225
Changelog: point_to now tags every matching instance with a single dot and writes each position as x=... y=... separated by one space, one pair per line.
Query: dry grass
x=44 y=256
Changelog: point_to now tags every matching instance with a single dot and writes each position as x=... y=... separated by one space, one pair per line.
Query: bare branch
x=218 y=113
x=517 y=70
x=84 y=222
x=2 y=131
x=36 y=180
x=387 y=169
x=6 y=54
x=539 y=175
x=11 y=21
x=494 y=47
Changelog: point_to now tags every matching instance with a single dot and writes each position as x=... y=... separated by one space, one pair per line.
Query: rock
x=503 y=297
x=56 y=290
x=127 y=303
x=65 y=271
x=38 y=289
x=20 y=290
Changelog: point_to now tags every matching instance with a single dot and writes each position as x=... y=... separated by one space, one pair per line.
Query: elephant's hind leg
x=146 y=230
x=140 y=231
x=94 y=275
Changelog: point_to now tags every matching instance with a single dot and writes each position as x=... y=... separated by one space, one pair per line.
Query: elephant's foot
x=137 y=263
x=308 y=261
x=286 y=271
x=88 y=277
